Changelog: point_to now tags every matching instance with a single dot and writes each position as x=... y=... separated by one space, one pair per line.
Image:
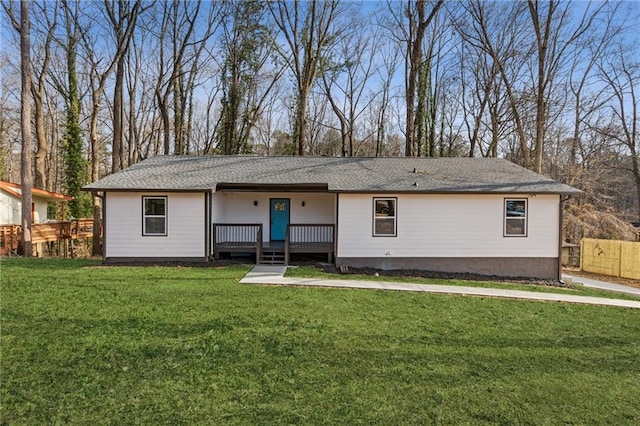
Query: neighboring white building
x=11 y=203
x=465 y=215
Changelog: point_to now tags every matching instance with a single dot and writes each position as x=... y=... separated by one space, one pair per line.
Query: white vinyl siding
x=185 y=223
x=237 y=207
x=447 y=226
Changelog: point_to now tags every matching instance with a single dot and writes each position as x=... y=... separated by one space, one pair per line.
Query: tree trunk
x=116 y=163
x=178 y=113
x=542 y=38
x=300 y=126
x=38 y=90
x=95 y=170
x=25 y=120
x=74 y=161
x=166 y=126
x=40 y=178
x=415 y=57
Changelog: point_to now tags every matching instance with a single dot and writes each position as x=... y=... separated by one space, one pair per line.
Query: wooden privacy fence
x=610 y=257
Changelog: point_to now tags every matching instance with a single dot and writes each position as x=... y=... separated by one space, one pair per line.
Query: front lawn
x=85 y=344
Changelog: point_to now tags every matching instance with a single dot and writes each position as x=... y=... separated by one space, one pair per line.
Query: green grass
x=573 y=289
x=83 y=344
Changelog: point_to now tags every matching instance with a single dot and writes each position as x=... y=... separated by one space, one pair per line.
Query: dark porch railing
x=310 y=238
x=237 y=238
x=299 y=238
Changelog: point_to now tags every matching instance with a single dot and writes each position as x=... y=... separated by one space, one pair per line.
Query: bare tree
x=583 y=67
x=497 y=31
x=479 y=81
x=246 y=78
x=308 y=29
x=209 y=123
x=179 y=50
x=99 y=73
x=388 y=64
x=75 y=163
x=623 y=79
x=318 y=110
x=122 y=16
x=25 y=120
x=9 y=122
x=346 y=76
x=555 y=36
x=38 y=89
x=142 y=118
x=433 y=79
x=412 y=36
x=23 y=27
x=268 y=121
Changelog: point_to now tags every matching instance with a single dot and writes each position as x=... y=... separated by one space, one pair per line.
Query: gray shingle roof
x=339 y=174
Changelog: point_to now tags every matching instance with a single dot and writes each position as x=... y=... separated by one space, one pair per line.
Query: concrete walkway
x=601 y=285
x=274 y=275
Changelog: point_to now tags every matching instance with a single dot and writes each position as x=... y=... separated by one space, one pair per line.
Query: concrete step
x=271 y=258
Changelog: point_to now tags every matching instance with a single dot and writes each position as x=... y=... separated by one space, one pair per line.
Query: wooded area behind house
x=550 y=85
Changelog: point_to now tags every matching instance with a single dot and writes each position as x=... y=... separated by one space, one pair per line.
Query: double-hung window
x=515 y=217
x=385 y=217
x=154 y=216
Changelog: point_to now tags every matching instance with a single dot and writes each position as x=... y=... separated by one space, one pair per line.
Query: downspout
x=208 y=198
x=336 y=229
x=560 y=239
x=103 y=197
x=206 y=226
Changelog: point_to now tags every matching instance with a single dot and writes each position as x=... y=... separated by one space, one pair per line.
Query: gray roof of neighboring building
x=335 y=174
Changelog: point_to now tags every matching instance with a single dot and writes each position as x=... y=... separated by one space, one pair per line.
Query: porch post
x=286 y=245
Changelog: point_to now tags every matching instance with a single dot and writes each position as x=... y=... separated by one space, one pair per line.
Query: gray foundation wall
x=509 y=267
x=150 y=260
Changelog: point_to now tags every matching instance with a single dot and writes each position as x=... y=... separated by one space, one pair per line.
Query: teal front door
x=279 y=218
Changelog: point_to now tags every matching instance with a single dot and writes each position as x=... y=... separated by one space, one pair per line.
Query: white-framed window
x=515 y=217
x=385 y=217
x=154 y=216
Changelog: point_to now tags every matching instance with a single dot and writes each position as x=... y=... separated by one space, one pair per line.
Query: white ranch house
x=468 y=215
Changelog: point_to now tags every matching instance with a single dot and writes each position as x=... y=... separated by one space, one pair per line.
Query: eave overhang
x=271 y=187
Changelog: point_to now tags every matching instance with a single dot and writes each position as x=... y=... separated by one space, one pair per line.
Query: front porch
x=247 y=238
